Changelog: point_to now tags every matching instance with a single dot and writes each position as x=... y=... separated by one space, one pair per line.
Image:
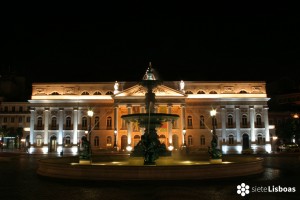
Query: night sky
x=183 y=43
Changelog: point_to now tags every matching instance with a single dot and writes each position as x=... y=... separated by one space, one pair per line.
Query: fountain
x=150 y=150
x=150 y=147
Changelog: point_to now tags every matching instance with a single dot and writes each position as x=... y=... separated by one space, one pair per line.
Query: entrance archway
x=123 y=142
x=246 y=144
x=53 y=144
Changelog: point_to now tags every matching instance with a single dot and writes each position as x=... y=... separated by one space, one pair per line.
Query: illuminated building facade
x=59 y=115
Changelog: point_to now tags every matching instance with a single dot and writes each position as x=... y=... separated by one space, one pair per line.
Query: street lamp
x=90 y=114
x=213 y=115
x=215 y=153
x=295 y=127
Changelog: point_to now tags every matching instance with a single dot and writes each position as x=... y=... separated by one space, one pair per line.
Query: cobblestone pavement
x=20 y=181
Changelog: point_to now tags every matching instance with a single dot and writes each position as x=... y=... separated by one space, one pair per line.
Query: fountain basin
x=69 y=168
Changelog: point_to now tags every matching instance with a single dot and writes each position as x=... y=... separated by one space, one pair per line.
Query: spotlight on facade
x=129 y=148
x=170 y=148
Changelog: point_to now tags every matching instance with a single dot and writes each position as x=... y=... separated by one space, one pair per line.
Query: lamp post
x=90 y=114
x=273 y=143
x=296 y=128
x=213 y=115
x=215 y=153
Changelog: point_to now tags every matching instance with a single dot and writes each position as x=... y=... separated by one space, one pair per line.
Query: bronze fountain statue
x=150 y=147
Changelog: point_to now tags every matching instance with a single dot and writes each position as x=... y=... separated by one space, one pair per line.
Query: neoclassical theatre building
x=59 y=115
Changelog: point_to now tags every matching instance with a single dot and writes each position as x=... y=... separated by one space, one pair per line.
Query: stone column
x=116 y=124
x=75 y=126
x=170 y=125
x=238 y=124
x=252 y=123
x=46 y=126
x=60 y=125
x=129 y=108
x=32 y=120
x=223 y=122
x=183 y=125
x=266 y=121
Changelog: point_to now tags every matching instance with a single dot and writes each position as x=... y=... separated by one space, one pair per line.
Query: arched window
x=109 y=93
x=54 y=93
x=108 y=141
x=39 y=140
x=190 y=140
x=260 y=140
x=67 y=140
x=213 y=92
x=53 y=122
x=202 y=140
x=244 y=120
x=231 y=139
x=97 y=122
x=202 y=123
x=84 y=123
x=68 y=122
x=85 y=93
x=124 y=125
x=258 y=120
x=39 y=122
x=190 y=122
x=124 y=142
x=189 y=92
x=108 y=123
x=230 y=121
x=96 y=141
x=97 y=93
x=201 y=92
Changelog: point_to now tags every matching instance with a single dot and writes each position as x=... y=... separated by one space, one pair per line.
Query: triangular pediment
x=140 y=91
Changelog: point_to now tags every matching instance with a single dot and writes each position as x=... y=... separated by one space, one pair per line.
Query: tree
x=288 y=129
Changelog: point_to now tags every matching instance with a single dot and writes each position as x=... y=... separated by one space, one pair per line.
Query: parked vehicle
x=293 y=147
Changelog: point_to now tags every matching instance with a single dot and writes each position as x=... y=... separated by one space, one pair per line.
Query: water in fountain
x=150 y=147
